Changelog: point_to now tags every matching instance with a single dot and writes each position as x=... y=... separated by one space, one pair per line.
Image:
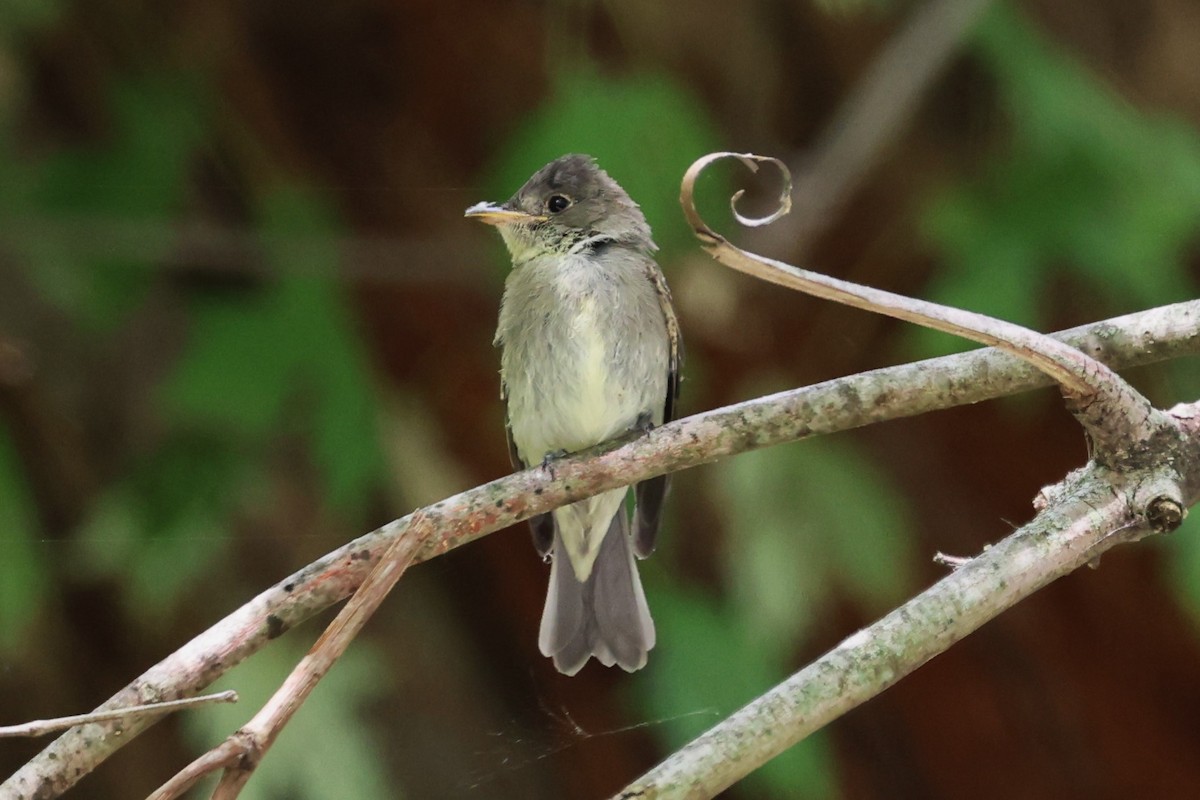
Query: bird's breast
x=574 y=364
x=594 y=401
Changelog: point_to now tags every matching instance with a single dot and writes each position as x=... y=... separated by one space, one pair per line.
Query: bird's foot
x=549 y=459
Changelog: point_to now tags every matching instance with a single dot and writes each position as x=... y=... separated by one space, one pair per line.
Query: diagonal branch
x=1090 y=513
x=842 y=404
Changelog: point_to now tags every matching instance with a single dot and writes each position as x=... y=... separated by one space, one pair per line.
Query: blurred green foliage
x=1085 y=186
x=809 y=524
x=140 y=173
x=23 y=571
x=161 y=527
x=161 y=524
x=809 y=521
x=1182 y=550
x=19 y=18
x=252 y=355
x=277 y=359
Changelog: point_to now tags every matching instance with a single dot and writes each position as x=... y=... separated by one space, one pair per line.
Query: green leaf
x=23 y=570
x=174 y=560
x=805 y=521
x=234 y=374
x=997 y=283
x=109 y=537
x=334 y=364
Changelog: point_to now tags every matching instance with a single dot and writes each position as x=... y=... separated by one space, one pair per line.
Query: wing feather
x=651 y=494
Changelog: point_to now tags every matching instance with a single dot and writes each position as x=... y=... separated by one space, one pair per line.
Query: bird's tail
x=605 y=616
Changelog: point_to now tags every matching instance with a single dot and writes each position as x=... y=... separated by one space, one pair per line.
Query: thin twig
x=41 y=727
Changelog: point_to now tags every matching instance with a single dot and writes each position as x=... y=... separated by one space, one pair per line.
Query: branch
x=842 y=404
x=1144 y=474
x=1121 y=422
x=1089 y=513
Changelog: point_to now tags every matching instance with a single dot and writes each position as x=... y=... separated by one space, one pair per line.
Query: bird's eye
x=557 y=203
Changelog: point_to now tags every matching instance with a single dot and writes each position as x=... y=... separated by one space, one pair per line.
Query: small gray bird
x=591 y=350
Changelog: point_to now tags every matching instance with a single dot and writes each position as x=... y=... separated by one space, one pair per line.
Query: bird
x=590 y=351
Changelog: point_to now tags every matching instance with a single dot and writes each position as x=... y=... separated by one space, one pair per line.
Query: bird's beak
x=494 y=214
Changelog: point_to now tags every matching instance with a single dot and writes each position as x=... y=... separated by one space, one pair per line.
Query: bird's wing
x=651 y=493
x=541 y=526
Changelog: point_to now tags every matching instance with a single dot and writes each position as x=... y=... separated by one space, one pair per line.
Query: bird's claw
x=644 y=422
x=549 y=459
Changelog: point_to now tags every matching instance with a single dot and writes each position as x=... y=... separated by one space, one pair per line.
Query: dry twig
x=41 y=727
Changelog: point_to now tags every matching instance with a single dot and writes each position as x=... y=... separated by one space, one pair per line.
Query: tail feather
x=605 y=616
x=648 y=514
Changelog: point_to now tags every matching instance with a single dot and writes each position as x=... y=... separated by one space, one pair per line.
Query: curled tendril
x=687 y=193
x=1113 y=412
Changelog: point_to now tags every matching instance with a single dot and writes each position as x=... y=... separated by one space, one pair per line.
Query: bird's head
x=567 y=205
